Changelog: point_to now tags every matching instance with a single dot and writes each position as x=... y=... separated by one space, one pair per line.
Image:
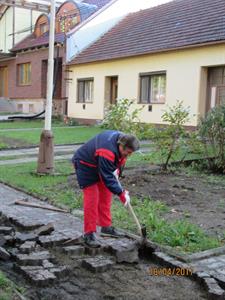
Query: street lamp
x=46 y=146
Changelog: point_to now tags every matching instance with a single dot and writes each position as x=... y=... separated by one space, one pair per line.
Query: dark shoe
x=110 y=231
x=91 y=241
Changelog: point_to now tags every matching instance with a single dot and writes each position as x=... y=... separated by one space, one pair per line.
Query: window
x=85 y=90
x=24 y=74
x=20 y=107
x=153 y=88
x=31 y=108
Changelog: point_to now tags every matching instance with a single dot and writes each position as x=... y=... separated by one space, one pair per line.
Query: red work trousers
x=97 y=206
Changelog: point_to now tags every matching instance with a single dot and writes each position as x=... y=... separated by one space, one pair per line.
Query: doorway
x=111 y=89
x=3 y=81
x=216 y=86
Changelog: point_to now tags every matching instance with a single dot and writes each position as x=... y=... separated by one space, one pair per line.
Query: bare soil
x=122 y=282
x=189 y=196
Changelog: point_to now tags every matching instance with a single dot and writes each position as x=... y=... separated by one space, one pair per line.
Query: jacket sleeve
x=106 y=168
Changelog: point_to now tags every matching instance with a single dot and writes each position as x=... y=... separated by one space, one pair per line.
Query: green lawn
x=64 y=135
x=18 y=124
x=180 y=234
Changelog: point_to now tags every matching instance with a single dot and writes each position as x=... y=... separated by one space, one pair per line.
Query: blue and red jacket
x=97 y=160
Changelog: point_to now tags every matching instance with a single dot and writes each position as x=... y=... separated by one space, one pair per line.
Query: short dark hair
x=129 y=141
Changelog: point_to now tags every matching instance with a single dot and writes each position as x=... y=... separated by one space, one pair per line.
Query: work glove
x=125 y=198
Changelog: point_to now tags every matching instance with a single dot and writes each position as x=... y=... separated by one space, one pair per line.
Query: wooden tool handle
x=131 y=211
x=31 y=204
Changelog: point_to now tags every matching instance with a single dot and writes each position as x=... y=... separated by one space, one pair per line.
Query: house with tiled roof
x=15 y=24
x=26 y=75
x=174 y=51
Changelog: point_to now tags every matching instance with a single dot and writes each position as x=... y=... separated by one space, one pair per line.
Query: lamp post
x=46 y=146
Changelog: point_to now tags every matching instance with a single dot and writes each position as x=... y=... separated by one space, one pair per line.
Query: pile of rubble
x=33 y=252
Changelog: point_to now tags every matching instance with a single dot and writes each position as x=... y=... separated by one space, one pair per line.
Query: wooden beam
x=35 y=205
x=27 y=5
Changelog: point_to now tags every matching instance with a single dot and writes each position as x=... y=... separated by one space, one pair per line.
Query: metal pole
x=46 y=147
x=48 y=110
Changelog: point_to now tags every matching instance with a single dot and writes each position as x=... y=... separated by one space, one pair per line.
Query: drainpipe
x=13 y=36
x=46 y=146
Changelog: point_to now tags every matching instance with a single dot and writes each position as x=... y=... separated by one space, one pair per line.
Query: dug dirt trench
x=122 y=281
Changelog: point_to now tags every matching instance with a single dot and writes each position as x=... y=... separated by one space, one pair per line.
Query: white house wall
x=96 y=26
x=186 y=81
x=6 y=28
x=23 y=19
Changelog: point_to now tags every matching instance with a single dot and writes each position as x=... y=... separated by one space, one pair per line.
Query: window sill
x=26 y=84
x=150 y=103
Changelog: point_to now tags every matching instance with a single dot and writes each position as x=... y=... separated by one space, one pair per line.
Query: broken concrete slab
x=25 y=223
x=125 y=250
x=33 y=259
x=127 y=255
x=74 y=250
x=45 y=229
x=23 y=237
x=60 y=271
x=28 y=247
x=4 y=255
x=93 y=251
x=52 y=240
x=47 y=264
x=64 y=237
x=98 y=263
x=37 y=275
x=9 y=240
x=2 y=240
x=6 y=230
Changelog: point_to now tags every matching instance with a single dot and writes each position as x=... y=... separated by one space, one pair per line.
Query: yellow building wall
x=186 y=81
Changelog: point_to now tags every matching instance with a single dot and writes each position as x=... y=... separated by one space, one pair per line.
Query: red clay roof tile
x=174 y=25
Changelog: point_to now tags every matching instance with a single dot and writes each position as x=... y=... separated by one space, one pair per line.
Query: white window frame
x=149 y=97
x=85 y=90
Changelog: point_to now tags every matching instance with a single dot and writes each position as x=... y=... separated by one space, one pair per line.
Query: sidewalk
x=31 y=154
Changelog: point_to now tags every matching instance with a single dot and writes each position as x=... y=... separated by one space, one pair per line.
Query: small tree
x=212 y=132
x=120 y=116
x=171 y=139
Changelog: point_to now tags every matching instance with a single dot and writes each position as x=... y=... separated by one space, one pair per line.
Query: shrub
x=170 y=140
x=212 y=132
x=121 y=117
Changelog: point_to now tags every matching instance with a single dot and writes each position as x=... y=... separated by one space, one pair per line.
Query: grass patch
x=13 y=157
x=64 y=135
x=8 y=288
x=2 y=145
x=153 y=157
x=182 y=235
x=20 y=124
x=52 y=188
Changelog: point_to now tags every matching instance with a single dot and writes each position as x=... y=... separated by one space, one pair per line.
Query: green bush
x=172 y=138
x=121 y=117
x=212 y=133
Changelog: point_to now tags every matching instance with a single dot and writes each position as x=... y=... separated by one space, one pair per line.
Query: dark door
x=113 y=89
x=57 y=84
x=216 y=86
x=3 y=82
